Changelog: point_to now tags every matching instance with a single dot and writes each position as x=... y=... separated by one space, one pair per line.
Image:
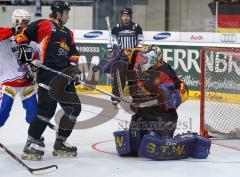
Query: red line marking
x=206 y=161
x=94 y=146
x=230 y=147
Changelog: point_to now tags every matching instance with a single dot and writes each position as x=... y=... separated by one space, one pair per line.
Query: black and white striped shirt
x=127 y=37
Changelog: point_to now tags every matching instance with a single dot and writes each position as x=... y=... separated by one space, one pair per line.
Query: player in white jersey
x=15 y=77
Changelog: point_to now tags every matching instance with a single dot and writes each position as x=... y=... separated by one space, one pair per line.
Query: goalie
x=151 y=80
x=157 y=81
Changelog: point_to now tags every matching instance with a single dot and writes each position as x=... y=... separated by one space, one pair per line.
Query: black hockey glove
x=30 y=78
x=77 y=80
x=25 y=54
x=76 y=75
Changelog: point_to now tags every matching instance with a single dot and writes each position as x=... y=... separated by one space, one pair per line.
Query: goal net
x=220 y=93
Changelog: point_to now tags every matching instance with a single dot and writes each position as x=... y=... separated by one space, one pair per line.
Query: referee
x=126 y=35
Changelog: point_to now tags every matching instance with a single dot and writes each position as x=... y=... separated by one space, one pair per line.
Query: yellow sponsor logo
x=193 y=95
x=64 y=45
x=84 y=89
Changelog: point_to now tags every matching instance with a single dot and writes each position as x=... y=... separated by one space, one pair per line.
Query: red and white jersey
x=11 y=73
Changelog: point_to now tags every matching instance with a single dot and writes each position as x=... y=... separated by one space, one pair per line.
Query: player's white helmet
x=19 y=15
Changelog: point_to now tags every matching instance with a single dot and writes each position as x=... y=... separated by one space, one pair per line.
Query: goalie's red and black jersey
x=57 y=42
x=145 y=85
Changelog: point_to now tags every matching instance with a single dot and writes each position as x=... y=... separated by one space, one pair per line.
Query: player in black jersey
x=126 y=35
x=58 y=52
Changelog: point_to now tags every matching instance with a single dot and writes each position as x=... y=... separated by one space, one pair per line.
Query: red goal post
x=220 y=92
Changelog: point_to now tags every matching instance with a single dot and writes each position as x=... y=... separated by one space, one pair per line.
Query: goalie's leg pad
x=127 y=143
x=122 y=142
x=202 y=147
x=157 y=148
x=135 y=140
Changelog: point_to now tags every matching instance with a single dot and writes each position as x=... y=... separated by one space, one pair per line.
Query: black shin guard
x=66 y=125
x=37 y=128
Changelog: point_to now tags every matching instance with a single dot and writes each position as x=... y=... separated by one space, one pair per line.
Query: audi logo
x=228 y=37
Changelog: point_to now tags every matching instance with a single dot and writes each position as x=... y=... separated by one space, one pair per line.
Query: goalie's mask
x=149 y=57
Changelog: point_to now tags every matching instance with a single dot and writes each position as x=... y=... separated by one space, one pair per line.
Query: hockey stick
x=122 y=96
x=109 y=30
x=34 y=171
x=141 y=105
x=39 y=65
x=119 y=84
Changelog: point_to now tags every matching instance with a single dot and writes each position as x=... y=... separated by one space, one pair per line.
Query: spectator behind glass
x=23 y=2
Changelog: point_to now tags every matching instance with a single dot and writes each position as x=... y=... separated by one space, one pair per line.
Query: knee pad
x=77 y=109
x=157 y=148
x=127 y=142
x=72 y=109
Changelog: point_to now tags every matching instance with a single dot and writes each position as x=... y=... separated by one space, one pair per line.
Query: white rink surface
x=102 y=161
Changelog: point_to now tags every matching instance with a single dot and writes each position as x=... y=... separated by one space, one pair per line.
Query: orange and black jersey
x=57 y=42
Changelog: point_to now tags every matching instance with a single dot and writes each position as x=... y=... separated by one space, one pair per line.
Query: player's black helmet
x=127 y=11
x=59 y=6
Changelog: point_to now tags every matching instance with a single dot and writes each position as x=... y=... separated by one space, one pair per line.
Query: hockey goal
x=220 y=92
